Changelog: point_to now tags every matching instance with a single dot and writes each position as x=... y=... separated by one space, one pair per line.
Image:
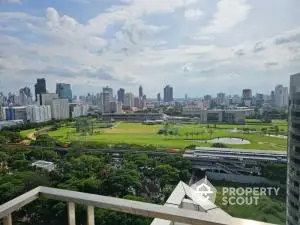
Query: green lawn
x=24 y=133
x=138 y=133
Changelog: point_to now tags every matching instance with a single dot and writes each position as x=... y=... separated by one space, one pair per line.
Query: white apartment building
x=60 y=109
x=191 y=110
x=129 y=100
x=79 y=110
x=281 y=96
x=115 y=107
x=38 y=114
x=15 y=113
x=46 y=99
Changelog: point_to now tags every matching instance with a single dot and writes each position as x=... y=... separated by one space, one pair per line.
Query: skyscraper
x=293 y=174
x=129 y=100
x=40 y=87
x=107 y=97
x=141 y=92
x=158 y=97
x=281 y=96
x=121 y=95
x=25 y=96
x=64 y=91
x=221 y=98
x=168 y=94
x=247 y=97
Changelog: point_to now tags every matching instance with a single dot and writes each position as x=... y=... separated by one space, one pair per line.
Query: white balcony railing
x=172 y=214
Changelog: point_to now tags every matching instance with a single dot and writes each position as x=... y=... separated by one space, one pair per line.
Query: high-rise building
x=141 y=92
x=38 y=114
x=129 y=100
x=107 y=97
x=25 y=96
x=60 y=109
x=46 y=99
x=121 y=95
x=221 y=98
x=64 y=91
x=236 y=99
x=158 y=97
x=168 y=94
x=1 y=113
x=293 y=174
x=281 y=96
x=207 y=98
x=259 y=99
x=40 y=88
x=272 y=98
x=247 y=97
x=137 y=102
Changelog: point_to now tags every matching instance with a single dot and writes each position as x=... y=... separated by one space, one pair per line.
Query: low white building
x=44 y=165
x=60 y=109
x=10 y=123
x=38 y=114
x=192 y=110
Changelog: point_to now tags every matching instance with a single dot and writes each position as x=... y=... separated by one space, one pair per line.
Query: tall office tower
x=281 y=96
x=129 y=100
x=168 y=94
x=107 y=97
x=121 y=95
x=259 y=99
x=221 y=98
x=141 y=92
x=64 y=91
x=207 y=97
x=293 y=174
x=247 y=97
x=272 y=97
x=40 y=88
x=158 y=97
x=25 y=96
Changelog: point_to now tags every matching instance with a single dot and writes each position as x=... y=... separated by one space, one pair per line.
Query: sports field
x=187 y=134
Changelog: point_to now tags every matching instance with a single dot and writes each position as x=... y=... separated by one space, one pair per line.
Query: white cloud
x=192 y=14
x=229 y=13
x=139 y=52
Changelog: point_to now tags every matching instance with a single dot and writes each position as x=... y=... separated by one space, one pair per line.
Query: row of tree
x=91 y=173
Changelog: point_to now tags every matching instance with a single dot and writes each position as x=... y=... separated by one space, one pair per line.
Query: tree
x=122 y=182
x=210 y=131
x=276 y=130
x=166 y=174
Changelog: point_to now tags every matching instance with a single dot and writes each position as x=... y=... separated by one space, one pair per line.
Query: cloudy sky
x=197 y=46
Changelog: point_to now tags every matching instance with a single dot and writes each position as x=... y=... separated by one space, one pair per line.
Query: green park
x=252 y=135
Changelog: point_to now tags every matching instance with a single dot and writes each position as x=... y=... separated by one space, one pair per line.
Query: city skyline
x=138 y=88
x=196 y=46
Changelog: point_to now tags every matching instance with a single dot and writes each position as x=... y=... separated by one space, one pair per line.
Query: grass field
x=138 y=133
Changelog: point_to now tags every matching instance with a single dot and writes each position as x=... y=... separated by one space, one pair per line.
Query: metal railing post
x=71 y=213
x=7 y=220
x=90 y=215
